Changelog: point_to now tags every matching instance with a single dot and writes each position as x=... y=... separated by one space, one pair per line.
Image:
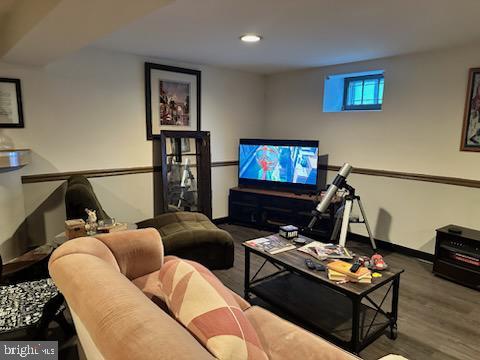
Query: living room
x=84 y=108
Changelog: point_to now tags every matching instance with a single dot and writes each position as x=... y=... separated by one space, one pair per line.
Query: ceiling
x=38 y=32
x=297 y=34
x=6 y=6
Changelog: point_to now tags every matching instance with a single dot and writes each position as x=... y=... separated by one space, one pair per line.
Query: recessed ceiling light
x=250 y=38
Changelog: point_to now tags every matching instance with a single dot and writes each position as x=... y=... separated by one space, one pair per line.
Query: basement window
x=359 y=91
x=363 y=93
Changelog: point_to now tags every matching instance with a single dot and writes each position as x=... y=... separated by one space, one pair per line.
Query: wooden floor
x=438 y=319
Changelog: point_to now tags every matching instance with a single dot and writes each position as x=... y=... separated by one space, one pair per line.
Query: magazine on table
x=272 y=244
x=322 y=251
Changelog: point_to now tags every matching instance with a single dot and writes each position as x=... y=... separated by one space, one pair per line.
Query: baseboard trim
x=220 y=221
x=385 y=245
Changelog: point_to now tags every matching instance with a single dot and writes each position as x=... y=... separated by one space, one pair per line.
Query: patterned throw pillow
x=200 y=302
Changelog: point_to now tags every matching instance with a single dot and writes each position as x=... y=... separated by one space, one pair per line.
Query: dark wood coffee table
x=351 y=315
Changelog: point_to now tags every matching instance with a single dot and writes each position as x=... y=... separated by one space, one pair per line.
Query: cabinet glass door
x=182 y=174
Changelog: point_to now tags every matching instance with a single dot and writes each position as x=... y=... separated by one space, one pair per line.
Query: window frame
x=346 y=86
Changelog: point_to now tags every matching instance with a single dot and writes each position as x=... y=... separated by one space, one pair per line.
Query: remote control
x=355 y=267
x=310 y=264
x=314 y=266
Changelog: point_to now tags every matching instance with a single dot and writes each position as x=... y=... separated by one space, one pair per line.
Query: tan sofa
x=110 y=284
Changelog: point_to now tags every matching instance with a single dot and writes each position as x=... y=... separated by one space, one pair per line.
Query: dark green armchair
x=193 y=236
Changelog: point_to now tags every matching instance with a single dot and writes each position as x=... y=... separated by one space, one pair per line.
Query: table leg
x=246 y=283
x=355 y=341
x=394 y=313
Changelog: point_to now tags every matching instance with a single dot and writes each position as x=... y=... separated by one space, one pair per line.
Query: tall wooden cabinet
x=182 y=172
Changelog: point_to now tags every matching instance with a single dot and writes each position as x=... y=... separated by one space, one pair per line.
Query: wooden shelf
x=269 y=208
x=14 y=158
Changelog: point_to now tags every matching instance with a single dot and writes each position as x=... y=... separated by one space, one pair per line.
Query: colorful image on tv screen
x=289 y=164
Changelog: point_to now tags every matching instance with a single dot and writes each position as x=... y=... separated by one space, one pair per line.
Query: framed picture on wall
x=172 y=98
x=471 y=121
x=11 y=111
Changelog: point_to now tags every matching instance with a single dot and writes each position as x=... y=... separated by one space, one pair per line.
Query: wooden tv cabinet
x=269 y=209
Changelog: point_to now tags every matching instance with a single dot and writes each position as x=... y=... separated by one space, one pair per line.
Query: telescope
x=343 y=221
x=339 y=182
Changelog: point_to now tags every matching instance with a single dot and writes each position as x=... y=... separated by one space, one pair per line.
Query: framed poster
x=11 y=111
x=471 y=121
x=172 y=99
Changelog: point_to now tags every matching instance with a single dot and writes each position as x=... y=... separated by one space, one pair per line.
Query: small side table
x=32 y=265
x=62 y=237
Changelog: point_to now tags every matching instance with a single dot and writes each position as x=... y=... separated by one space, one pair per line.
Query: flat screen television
x=278 y=164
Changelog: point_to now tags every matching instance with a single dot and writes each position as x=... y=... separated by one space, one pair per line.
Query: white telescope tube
x=338 y=183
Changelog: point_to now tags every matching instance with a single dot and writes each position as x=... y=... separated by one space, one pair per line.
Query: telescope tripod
x=343 y=222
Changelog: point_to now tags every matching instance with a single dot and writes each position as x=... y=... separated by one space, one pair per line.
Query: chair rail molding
x=37 y=178
x=28 y=179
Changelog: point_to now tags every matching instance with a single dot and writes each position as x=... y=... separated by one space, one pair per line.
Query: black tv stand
x=269 y=209
x=457 y=255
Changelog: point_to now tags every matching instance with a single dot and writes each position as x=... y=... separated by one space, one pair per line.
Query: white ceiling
x=6 y=6
x=297 y=33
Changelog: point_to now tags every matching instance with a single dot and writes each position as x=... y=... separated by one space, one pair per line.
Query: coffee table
x=351 y=315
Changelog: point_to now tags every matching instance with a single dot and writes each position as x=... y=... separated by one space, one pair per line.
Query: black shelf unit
x=457 y=255
x=269 y=209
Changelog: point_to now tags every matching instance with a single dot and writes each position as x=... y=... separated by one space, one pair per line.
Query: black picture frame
x=149 y=67
x=471 y=119
x=18 y=91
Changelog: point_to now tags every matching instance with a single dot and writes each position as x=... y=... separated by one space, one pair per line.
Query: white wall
x=418 y=131
x=88 y=112
x=96 y=97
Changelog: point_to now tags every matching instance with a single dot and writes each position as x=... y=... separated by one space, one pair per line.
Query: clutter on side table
x=75 y=228
x=91 y=225
x=107 y=229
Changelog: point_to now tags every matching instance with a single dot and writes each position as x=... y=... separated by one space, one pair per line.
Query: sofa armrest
x=133 y=252
x=138 y=252
x=116 y=317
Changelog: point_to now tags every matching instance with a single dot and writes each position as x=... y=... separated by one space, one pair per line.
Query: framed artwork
x=172 y=98
x=11 y=110
x=471 y=121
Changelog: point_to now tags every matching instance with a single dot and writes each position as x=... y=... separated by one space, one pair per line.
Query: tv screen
x=282 y=164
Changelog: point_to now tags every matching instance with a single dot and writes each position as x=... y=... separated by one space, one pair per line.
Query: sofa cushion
x=150 y=285
x=283 y=340
x=208 y=310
